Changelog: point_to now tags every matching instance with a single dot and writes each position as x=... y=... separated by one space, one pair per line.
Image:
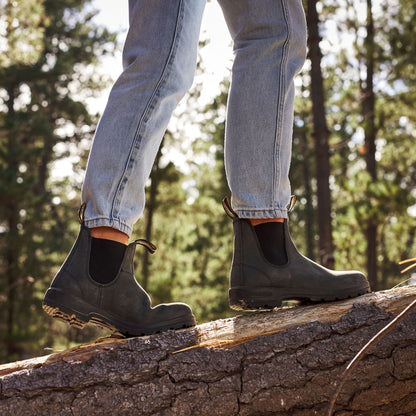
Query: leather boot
x=121 y=306
x=255 y=283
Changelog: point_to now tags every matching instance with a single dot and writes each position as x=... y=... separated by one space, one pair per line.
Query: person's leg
x=270 y=46
x=159 y=60
x=96 y=283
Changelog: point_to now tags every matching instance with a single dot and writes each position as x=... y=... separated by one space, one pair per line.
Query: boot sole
x=255 y=298
x=80 y=319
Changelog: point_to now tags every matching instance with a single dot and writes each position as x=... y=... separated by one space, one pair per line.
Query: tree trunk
x=321 y=136
x=368 y=108
x=150 y=209
x=310 y=215
x=283 y=362
x=12 y=249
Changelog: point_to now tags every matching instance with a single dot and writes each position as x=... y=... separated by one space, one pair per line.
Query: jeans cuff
x=261 y=213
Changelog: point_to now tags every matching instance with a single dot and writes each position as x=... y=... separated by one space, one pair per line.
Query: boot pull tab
x=81 y=213
x=292 y=203
x=150 y=247
x=226 y=204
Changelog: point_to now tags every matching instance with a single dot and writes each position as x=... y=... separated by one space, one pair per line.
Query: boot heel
x=54 y=304
x=73 y=320
x=252 y=298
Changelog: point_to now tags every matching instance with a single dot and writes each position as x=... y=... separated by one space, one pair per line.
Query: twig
x=341 y=381
x=412 y=266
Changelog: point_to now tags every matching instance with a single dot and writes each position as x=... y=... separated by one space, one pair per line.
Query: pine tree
x=50 y=48
x=321 y=135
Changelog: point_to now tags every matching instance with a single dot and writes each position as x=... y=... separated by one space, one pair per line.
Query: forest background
x=353 y=166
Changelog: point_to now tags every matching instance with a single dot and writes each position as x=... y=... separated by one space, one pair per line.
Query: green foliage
x=357 y=198
x=24 y=28
x=42 y=78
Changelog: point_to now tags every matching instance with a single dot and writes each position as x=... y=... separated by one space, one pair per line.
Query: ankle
x=108 y=233
x=258 y=221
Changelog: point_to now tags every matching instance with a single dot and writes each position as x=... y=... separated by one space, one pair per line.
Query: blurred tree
x=370 y=133
x=163 y=175
x=47 y=65
x=321 y=135
x=302 y=176
x=213 y=245
x=368 y=97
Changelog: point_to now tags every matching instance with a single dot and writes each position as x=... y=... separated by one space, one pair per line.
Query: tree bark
x=321 y=136
x=283 y=362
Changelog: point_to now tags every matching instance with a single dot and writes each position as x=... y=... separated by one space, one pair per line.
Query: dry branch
x=284 y=362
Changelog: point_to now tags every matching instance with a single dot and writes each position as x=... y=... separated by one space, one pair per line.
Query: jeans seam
x=280 y=112
x=135 y=147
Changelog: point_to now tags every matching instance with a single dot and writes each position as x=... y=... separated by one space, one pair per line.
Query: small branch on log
x=284 y=362
x=382 y=333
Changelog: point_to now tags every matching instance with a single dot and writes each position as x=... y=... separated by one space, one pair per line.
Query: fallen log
x=284 y=362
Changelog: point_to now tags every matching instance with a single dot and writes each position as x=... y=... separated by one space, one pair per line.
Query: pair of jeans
x=159 y=61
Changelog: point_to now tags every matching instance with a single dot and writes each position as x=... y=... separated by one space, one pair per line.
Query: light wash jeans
x=159 y=61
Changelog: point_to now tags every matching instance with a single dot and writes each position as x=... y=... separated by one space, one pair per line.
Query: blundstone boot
x=121 y=306
x=256 y=283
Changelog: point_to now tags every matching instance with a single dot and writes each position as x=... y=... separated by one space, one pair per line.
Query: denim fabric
x=270 y=47
x=159 y=61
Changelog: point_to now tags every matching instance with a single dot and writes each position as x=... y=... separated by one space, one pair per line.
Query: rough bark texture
x=283 y=362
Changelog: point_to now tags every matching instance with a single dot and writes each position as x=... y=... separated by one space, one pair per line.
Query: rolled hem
x=105 y=222
x=261 y=213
